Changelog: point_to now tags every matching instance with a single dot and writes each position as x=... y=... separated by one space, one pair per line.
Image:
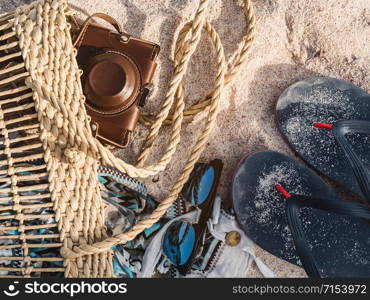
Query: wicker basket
x=47 y=170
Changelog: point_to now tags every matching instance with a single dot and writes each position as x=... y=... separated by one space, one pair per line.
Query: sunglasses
x=182 y=240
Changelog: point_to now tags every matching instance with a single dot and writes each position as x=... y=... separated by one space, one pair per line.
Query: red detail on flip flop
x=323 y=126
x=283 y=191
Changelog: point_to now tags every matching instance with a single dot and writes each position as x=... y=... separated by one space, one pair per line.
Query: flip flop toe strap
x=361 y=172
x=297 y=202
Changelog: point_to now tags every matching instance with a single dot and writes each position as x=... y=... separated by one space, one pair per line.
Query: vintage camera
x=117 y=69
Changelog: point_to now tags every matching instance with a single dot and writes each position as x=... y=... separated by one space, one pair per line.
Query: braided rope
x=186 y=45
x=236 y=62
x=53 y=76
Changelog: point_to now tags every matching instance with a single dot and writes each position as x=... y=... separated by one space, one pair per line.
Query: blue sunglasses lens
x=201 y=192
x=179 y=242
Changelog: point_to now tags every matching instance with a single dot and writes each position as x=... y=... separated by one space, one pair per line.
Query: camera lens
x=112 y=83
x=107 y=78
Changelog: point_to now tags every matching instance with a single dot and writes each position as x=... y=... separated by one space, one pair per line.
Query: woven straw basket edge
x=41 y=34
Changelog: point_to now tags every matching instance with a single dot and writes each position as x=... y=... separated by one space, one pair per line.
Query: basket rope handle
x=186 y=45
x=176 y=92
x=236 y=62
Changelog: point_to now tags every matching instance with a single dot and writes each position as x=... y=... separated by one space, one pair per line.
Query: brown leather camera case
x=117 y=70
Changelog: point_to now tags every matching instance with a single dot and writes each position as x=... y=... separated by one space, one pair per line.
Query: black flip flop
x=289 y=211
x=343 y=153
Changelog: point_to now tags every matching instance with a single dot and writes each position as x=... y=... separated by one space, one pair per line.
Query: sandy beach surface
x=294 y=39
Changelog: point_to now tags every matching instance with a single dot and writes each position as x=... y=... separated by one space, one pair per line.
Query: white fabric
x=233 y=261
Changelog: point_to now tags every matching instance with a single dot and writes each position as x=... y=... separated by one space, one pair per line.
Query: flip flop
x=289 y=211
x=343 y=154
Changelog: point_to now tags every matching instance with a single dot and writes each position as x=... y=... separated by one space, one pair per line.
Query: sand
x=294 y=39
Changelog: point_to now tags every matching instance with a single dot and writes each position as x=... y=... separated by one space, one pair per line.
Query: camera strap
x=90 y=19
